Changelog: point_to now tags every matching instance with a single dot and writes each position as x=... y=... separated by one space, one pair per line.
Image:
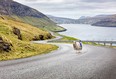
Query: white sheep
x=77 y=46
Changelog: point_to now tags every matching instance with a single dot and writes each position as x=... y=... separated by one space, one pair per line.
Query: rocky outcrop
x=4 y=46
x=17 y=32
x=42 y=37
x=49 y=36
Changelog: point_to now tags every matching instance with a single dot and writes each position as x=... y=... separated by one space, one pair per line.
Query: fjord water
x=88 y=32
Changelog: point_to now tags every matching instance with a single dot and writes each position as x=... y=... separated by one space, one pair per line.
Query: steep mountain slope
x=27 y=14
x=61 y=20
x=15 y=37
x=9 y=7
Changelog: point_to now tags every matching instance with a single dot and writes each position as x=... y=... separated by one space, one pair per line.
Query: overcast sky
x=72 y=8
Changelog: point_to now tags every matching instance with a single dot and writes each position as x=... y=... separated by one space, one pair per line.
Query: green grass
x=90 y=43
x=22 y=48
x=64 y=39
x=67 y=38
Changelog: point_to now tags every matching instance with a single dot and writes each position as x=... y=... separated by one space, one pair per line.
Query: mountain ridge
x=98 y=20
x=10 y=7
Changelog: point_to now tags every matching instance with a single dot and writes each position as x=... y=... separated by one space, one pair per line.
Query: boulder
x=17 y=32
x=41 y=37
x=49 y=36
x=4 y=46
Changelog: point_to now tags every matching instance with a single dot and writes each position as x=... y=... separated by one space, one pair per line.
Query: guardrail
x=98 y=42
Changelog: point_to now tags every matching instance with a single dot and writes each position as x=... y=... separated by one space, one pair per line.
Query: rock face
x=4 y=46
x=17 y=32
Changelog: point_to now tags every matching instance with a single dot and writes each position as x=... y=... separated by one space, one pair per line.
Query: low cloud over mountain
x=72 y=8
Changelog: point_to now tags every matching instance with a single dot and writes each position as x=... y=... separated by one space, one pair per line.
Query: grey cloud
x=71 y=8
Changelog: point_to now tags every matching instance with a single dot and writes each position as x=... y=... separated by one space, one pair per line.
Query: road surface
x=65 y=63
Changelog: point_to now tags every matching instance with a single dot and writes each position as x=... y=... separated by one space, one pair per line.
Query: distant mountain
x=26 y=14
x=83 y=17
x=105 y=23
x=102 y=16
x=90 y=20
x=109 y=21
x=99 y=20
x=62 y=20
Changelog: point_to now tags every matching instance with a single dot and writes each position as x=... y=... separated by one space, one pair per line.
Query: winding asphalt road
x=65 y=63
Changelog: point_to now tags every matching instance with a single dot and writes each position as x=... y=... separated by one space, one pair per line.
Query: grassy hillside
x=22 y=48
x=44 y=23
